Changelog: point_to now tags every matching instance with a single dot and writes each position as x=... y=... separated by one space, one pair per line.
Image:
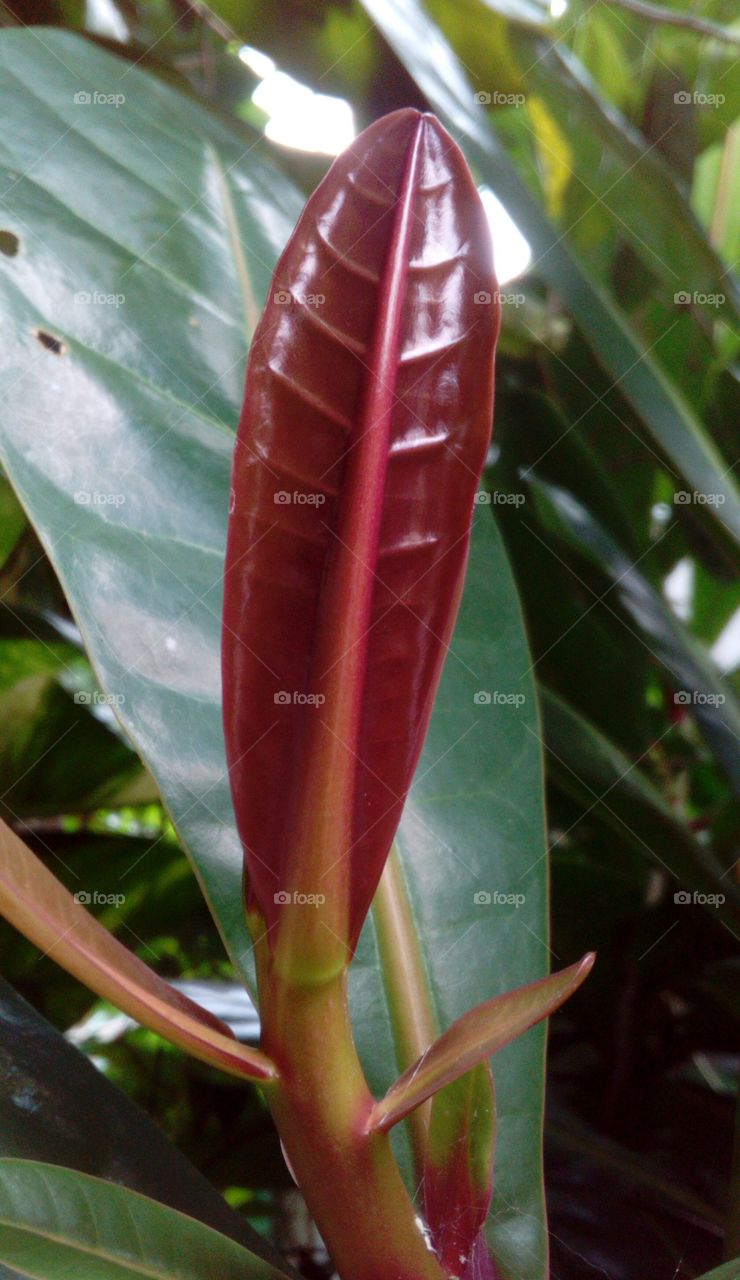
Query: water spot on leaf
x=9 y=244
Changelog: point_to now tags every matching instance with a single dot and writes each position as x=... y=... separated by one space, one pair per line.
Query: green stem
x=350 y=1180
x=406 y=986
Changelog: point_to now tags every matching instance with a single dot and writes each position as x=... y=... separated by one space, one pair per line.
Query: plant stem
x=406 y=986
x=350 y=1179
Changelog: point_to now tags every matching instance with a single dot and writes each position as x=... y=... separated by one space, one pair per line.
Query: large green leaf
x=155 y=200
x=48 y=1091
x=730 y=1271
x=56 y=1222
x=141 y=402
x=432 y=63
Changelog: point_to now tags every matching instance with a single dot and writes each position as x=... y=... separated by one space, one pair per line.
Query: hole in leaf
x=51 y=343
x=9 y=244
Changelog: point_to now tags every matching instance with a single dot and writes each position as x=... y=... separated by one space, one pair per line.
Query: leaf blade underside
x=35 y=902
x=476 y=1035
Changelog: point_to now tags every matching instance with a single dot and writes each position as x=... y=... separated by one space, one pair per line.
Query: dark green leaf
x=48 y=1092
x=695 y=683
x=56 y=1222
x=592 y=770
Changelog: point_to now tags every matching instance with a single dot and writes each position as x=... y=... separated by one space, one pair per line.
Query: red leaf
x=475 y=1036
x=458 y=1170
x=365 y=426
x=480 y=1265
x=33 y=900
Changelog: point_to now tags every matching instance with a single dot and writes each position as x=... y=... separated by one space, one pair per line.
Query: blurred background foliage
x=618 y=126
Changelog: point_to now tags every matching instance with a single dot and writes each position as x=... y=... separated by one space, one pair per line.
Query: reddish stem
x=351 y=1181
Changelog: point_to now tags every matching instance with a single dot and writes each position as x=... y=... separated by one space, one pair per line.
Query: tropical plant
x=140 y=230
x=374 y=398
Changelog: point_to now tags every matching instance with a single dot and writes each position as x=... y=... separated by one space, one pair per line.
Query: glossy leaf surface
x=56 y=1222
x=477 y=1035
x=39 y=906
x=143 y=577
x=143 y=395
x=366 y=421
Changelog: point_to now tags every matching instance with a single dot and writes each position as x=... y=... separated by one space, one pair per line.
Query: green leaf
x=142 y=402
x=432 y=63
x=12 y=520
x=48 y=1091
x=634 y=182
x=695 y=681
x=588 y=767
x=56 y=1222
x=612 y=171
x=144 y=398
x=730 y=1271
x=57 y=752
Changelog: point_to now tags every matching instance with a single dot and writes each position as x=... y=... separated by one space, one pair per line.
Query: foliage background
x=627 y=139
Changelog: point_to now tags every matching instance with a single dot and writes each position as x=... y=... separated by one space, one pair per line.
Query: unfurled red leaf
x=458 y=1170
x=33 y=900
x=365 y=426
x=476 y=1036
